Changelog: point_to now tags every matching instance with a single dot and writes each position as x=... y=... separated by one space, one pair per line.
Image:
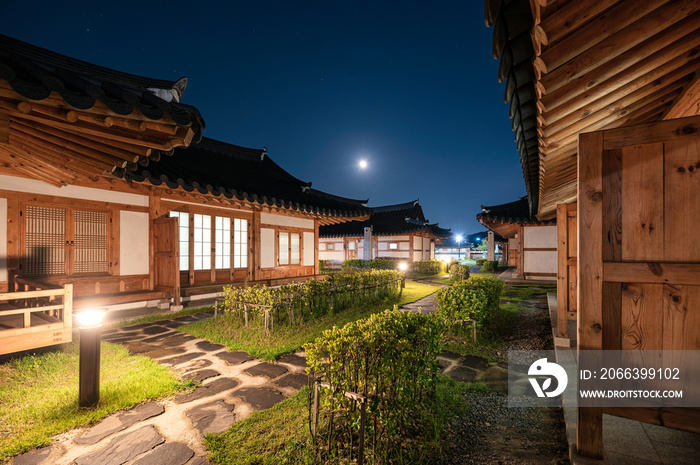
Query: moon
x=363 y=164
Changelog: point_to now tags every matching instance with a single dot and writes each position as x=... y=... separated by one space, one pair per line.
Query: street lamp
x=459 y=247
x=90 y=332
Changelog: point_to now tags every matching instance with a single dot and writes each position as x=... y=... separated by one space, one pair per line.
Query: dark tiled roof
x=219 y=168
x=512 y=43
x=34 y=73
x=517 y=212
x=389 y=220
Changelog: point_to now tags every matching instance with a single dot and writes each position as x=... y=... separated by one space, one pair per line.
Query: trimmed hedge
x=390 y=358
x=424 y=266
x=480 y=261
x=491 y=265
x=475 y=298
x=293 y=303
x=460 y=271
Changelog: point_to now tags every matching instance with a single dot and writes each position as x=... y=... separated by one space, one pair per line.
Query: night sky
x=409 y=86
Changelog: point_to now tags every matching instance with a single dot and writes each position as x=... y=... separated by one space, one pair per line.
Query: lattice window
x=294 y=249
x=202 y=242
x=183 y=220
x=240 y=243
x=222 y=242
x=283 y=256
x=45 y=249
x=90 y=242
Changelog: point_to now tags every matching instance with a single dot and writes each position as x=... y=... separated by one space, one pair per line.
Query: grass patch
x=286 y=339
x=280 y=435
x=39 y=393
x=525 y=293
x=162 y=316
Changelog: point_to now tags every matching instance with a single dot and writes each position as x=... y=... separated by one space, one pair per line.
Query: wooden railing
x=52 y=309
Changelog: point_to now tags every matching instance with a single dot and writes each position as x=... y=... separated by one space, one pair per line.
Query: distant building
x=395 y=231
x=468 y=247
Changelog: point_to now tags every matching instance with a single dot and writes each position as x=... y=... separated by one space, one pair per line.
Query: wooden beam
x=572 y=17
x=4 y=128
x=25 y=155
x=675 y=129
x=652 y=272
x=614 y=46
x=599 y=28
x=688 y=103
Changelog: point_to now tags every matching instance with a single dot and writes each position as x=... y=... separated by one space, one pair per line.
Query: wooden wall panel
x=643 y=219
x=682 y=202
x=681 y=317
x=642 y=316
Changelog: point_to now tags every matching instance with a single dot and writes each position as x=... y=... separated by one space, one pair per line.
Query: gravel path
x=493 y=433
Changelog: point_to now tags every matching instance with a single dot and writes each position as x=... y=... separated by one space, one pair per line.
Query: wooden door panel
x=166 y=260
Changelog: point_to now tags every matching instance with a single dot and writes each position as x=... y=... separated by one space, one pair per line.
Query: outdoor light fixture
x=90 y=331
x=459 y=246
x=403 y=266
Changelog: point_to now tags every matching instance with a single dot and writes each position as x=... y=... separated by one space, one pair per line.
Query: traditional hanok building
x=394 y=231
x=531 y=244
x=100 y=201
x=605 y=102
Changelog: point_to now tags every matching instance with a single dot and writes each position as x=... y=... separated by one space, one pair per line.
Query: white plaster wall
x=417 y=256
x=383 y=246
x=331 y=255
x=540 y=237
x=32 y=186
x=426 y=248
x=395 y=254
x=309 y=249
x=405 y=245
x=3 y=240
x=393 y=238
x=540 y=262
x=281 y=220
x=417 y=242
x=267 y=248
x=133 y=243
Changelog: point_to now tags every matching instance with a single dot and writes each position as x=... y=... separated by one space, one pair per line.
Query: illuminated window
x=329 y=246
x=184 y=238
x=240 y=243
x=351 y=245
x=393 y=246
x=294 y=249
x=202 y=242
x=283 y=249
x=222 y=242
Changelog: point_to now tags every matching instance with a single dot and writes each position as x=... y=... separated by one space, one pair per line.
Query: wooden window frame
x=289 y=231
x=69 y=256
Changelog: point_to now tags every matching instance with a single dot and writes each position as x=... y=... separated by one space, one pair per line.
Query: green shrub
x=459 y=271
x=480 y=261
x=293 y=303
x=475 y=298
x=389 y=358
x=427 y=266
x=491 y=266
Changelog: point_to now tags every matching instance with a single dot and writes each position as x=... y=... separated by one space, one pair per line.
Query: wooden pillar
x=316 y=256
x=491 y=247
x=521 y=252
x=589 y=422
x=13 y=241
x=562 y=272
x=154 y=211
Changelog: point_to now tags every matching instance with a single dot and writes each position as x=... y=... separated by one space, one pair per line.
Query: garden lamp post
x=459 y=247
x=90 y=332
x=403 y=266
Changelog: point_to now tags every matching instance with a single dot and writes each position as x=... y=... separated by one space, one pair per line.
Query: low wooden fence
x=35 y=315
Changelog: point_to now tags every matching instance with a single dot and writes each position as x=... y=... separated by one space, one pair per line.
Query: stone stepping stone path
x=232 y=385
x=471 y=368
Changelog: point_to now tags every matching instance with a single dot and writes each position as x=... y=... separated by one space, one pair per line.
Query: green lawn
x=280 y=435
x=286 y=339
x=39 y=393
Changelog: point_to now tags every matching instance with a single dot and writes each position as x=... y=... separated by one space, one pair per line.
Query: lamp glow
x=91 y=317
x=403 y=266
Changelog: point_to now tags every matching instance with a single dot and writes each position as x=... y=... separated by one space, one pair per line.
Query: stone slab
x=139 y=326
x=449 y=355
x=201 y=375
x=207 y=390
x=153 y=351
x=209 y=346
x=212 y=417
x=119 y=335
x=268 y=370
x=495 y=378
x=119 y=422
x=293 y=380
x=462 y=374
x=172 y=324
x=200 y=461
x=155 y=329
x=260 y=398
x=33 y=457
x=196 y=364
x=171 y=453
x=177 y=360
x=293 y=359
x=176 y=341
x=234 y=358
x=124 y=447
x=475 y=362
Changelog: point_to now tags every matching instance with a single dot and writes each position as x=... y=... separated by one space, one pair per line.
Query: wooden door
x=567 y=295
x=167 y=257
x=513 y=247
x=638 y=253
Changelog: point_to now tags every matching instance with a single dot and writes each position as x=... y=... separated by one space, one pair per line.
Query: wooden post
x=245 y=313
x=317 y=396
x=562 y=272
x=68 y=306
x=589 y=424
x=267 y=320
x=361 y=454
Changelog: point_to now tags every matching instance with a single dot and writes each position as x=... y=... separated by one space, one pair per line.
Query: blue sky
x=409 y=86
